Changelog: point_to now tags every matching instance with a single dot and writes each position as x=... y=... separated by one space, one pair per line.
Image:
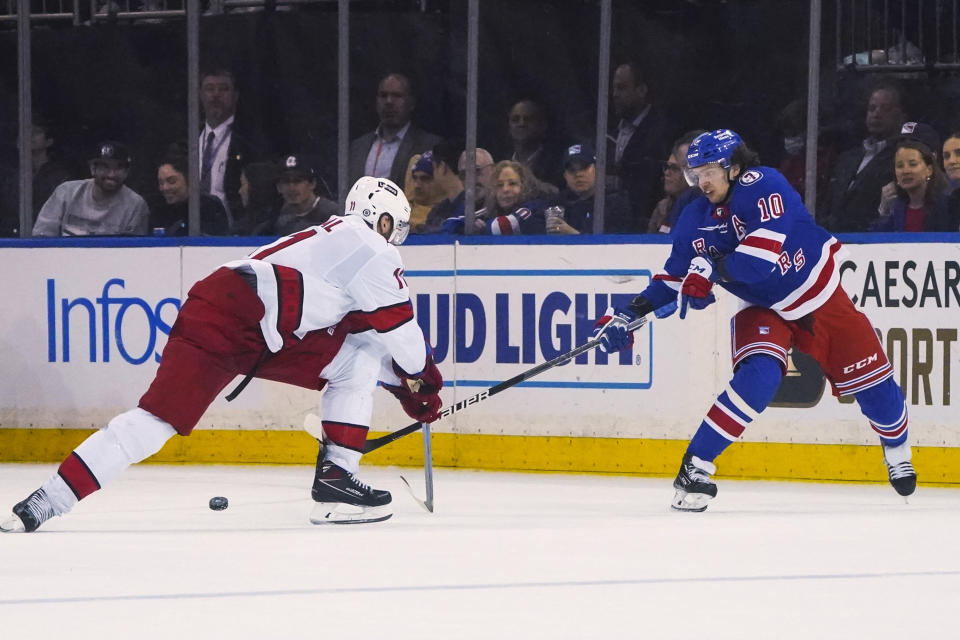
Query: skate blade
x=343 y=513
x=696 y=502
x=12 y=524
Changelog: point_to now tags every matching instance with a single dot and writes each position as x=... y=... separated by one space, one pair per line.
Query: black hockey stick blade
x=375 y=443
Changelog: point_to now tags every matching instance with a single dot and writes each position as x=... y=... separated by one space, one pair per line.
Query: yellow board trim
x=639 y=456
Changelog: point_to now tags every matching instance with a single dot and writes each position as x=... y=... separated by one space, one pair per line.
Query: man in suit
x=859 y=174
x=386 y=151
x=642 y=140
x=224 y=148
x=531 y=144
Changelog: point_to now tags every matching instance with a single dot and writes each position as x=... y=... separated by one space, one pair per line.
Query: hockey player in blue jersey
x=750 y=234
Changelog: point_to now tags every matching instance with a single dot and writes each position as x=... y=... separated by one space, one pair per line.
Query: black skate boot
x=693 y=484
x=342 y=499
x=29 y=514
x=900 y=470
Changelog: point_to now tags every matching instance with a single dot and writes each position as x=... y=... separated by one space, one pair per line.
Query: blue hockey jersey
x=767 y=246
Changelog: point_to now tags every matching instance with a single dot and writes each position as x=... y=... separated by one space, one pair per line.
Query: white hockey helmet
x=371 y=198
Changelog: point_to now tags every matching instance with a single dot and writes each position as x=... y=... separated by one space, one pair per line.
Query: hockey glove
x=695 y=289
x=612 y=330
x=426 y=383
x=420 y=408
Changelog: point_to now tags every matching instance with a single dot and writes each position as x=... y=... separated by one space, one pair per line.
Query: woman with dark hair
x=919 y=200
x=951 y=167
x=172 y=215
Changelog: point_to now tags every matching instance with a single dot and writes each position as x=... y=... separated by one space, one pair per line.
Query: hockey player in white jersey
x=325 y=308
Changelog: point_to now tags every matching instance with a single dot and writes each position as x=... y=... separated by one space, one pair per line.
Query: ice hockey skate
x=693 y=484
x=900 y=470
x=342 y=499
x=28 y=514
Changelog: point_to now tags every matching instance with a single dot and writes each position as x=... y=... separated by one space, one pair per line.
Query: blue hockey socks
x=750 y=391
x=884 y=406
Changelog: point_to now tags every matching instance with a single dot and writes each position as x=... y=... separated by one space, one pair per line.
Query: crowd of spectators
x=900 y=177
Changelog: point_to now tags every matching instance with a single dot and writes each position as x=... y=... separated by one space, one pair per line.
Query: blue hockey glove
x=612 y=330
x=695 y=289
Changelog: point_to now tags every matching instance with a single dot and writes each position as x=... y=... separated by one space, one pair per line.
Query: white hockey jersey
x=338 y=271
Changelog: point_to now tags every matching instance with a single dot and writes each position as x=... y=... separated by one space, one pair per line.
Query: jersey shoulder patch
x=751 y=176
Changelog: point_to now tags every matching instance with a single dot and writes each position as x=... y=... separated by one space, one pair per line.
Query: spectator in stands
x=484 y=174
x=302 y=207
x=48 y=173
x=516 y=206
x=386 y=151
x=446 y=154
x=792 y=124
x=859 y=174
x=513 y=207
x=951 y=165
x=528 y=125
x=101 y=205
x=642 y=139
x=951 y=159
x=678 y=193
x=48 y=170
x=258 y=194
x=421 y=189
x=172 y=218
x=224 y=146
x=580 y=174
x=918 y=201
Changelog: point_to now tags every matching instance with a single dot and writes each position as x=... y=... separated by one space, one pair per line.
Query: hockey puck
x=218 y=503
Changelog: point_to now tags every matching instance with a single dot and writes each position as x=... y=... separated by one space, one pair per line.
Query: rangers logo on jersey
x=750 y=177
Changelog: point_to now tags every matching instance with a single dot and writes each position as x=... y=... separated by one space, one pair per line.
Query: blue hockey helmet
x=713 y=146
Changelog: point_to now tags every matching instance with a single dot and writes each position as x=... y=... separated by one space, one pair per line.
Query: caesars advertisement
x=84 y=329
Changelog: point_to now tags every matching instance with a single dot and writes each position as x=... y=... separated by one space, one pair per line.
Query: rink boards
x=84 y=326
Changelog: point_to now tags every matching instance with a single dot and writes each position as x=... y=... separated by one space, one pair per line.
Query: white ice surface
x=504 y=556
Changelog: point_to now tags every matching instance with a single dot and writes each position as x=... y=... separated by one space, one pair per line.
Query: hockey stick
x=427 y=472
x=375 y=443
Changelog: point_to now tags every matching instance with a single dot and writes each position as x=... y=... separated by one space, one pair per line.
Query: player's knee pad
x=757 y=379
x=140 y=434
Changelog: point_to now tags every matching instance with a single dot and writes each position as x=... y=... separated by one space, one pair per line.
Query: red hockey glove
x=420 y=408
x=426 y=383
x=695 y=289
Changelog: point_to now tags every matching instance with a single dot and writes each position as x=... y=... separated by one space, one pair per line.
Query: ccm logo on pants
x=861 y=364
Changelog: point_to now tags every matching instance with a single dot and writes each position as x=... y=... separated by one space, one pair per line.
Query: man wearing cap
x=580 y=174
x=421 y=189
x=449 y=184
x=302 y=207
x=98 y=206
